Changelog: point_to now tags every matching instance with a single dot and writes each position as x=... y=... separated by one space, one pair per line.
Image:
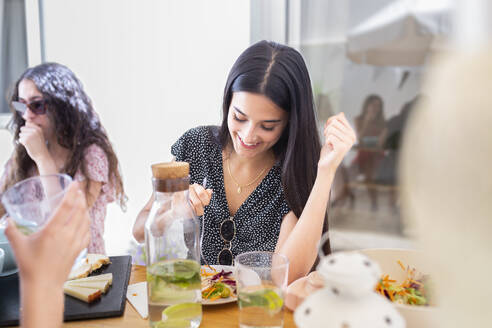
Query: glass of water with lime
x=261 y=282
x=32 y=202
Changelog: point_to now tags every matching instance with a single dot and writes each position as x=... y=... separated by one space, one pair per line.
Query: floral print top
x=97 y=168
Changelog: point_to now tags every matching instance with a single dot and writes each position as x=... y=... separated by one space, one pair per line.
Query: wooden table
x=214 y=316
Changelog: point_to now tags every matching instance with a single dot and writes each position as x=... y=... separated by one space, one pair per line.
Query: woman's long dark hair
x=280 y=73
x=77 y=126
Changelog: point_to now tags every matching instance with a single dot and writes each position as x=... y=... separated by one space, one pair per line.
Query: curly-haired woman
x=57 y=130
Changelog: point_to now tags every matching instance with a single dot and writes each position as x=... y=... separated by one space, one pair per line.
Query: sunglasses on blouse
x=38 y=107
x=227 y=233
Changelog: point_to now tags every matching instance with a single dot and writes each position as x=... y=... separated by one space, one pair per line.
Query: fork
x=204 y=184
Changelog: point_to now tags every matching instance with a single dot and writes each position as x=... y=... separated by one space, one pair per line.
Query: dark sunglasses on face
x=38 y=107
x=227 y=233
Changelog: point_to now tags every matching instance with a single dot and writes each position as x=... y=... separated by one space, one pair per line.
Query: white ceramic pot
x=348 y=299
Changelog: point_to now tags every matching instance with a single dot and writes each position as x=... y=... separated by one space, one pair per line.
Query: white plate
x=219 y=268
x=137 y=296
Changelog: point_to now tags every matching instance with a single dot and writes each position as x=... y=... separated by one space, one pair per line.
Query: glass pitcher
x=173 y=250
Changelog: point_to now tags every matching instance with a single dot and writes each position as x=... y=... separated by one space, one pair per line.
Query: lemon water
x=27 y=227
x=260 y=306
x=174 y=294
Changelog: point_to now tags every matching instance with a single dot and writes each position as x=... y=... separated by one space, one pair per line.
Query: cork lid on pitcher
x=170 y=170
x=171 y=176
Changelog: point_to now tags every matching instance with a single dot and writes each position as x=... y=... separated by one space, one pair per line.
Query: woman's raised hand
x=199 y=198
x=339 y=138
x=32 y=138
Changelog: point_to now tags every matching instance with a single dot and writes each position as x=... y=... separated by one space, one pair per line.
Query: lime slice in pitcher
x=172 y=324
x=180 y=314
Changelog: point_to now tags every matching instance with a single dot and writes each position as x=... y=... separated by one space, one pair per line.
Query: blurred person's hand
x=48 y=254
x=46 y=257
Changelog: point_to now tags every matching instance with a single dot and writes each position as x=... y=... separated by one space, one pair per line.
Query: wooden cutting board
x=111 y=304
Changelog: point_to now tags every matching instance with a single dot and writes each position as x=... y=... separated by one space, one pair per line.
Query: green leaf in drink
x=173 y=280
x=266 y=298
x=26 y=230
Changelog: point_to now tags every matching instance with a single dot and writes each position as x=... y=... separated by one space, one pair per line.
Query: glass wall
x=13 y=42
x=377 y=96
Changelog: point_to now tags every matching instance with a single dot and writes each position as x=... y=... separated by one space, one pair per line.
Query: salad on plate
x=412 y=291
x=218 y=284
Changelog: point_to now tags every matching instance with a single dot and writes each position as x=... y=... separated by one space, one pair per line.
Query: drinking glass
x=261 y=282
x=31 y=202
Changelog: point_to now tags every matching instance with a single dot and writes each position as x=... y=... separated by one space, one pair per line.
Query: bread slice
x=87 y=295
x=81 y=271
x=103 y=286
x=100 y=277
x=97 y=260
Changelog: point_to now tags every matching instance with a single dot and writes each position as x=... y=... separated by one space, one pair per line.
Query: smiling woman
x=268 y=176
x=254 y=131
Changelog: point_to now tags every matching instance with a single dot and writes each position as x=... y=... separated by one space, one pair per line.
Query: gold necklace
x=239 y=187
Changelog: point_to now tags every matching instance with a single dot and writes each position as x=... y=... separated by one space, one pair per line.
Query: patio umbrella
x=401 y=34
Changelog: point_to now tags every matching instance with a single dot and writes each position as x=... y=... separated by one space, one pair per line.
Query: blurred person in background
x=370 y=125
x=447 y=183
x=56 y=130
x=267 y=173
x=386 y=173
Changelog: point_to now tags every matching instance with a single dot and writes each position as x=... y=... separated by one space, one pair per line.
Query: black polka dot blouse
x=257 y=220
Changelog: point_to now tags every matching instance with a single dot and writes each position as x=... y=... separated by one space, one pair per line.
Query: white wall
x=153 y=70
x=6 y=147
